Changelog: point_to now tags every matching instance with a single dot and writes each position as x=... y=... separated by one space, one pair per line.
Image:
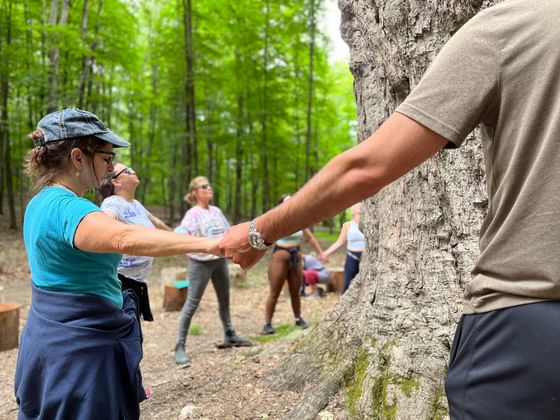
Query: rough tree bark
x=384 y=347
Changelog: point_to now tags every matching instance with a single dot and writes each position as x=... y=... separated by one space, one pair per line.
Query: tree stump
x=173 y=297
x=237 y=275
x=9 y=325
x=336 y=284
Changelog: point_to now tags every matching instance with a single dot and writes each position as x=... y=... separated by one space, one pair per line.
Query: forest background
x=242 y=92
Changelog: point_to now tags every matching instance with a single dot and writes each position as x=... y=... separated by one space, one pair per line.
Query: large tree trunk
x=385 y=346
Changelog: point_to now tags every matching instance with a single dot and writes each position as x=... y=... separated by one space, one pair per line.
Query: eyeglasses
x=203 y=186
x=109 y=160
x=128 y=171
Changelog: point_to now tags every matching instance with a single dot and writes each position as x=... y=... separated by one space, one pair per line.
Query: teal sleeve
x=72 y=212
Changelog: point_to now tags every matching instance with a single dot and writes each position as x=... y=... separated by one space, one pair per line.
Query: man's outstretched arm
x=399 y=145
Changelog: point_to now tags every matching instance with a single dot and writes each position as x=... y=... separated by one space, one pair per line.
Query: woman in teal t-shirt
x=81 y=347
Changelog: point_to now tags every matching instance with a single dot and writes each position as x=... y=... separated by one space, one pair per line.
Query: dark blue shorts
x=505 y=364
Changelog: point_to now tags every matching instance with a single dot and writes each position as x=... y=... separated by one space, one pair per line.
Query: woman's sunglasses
x=110 y=159
x=128 y=171
x=203 y=186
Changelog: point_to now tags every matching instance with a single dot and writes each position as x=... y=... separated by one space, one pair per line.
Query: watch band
x=255 y=238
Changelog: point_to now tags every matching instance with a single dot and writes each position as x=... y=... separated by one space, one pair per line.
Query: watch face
x=256 y=242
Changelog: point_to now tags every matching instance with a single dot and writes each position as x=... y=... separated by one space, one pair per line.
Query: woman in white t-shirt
x=118 y=190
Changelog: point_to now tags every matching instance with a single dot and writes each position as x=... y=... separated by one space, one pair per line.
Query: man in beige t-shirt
x=501 y=71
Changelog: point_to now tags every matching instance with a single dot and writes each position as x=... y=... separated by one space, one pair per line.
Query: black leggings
x=140 y=289
x=351 y=268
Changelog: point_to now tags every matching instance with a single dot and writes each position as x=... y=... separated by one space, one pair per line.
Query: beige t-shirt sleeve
x=460 y=87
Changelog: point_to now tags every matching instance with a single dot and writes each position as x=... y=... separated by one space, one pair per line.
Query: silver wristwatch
x=255 y=238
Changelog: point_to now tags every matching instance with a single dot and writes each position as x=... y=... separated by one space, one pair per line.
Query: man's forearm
x=325 y=195
x=399 y=145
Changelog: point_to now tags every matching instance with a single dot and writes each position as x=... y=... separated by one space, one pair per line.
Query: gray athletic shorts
x=505 y=364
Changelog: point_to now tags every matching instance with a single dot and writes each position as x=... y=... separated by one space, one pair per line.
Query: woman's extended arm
x=341 y=239
x=98 y=232
x=158 y=223
x=313 y=241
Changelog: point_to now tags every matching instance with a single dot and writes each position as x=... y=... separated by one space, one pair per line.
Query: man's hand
x=235 y=246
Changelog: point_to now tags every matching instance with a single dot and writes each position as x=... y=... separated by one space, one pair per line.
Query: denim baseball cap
x=72 y=122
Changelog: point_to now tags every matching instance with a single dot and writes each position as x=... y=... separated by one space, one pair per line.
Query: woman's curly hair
x=49 y=159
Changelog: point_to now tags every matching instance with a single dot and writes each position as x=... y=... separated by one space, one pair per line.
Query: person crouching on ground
x=118 y=190
x=314 y=273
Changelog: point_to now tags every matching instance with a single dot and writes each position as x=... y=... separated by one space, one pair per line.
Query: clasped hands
x=235 y=246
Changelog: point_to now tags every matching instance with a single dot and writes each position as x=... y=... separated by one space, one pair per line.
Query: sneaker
x=268 y=329
x=181 y=356
x=301 y=323
x=313 y=296
x=233 y=340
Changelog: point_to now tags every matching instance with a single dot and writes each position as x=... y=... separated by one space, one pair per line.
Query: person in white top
x=205 y=220
x=356 y=243
x=118 y=190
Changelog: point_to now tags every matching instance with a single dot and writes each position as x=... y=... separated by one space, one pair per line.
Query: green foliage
x=195 y=329
x=282 y=330
x=251 y=66
x=324 y=236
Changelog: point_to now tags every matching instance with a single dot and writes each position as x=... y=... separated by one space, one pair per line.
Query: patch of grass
x=326 y=236
x=195 y=329
x=282 y=330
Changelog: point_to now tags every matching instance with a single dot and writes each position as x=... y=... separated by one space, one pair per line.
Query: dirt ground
x=220 y=384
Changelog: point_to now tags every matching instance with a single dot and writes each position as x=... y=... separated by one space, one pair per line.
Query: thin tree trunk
x=3 y=70
x=87 y=72
x=4 y=118
x=44 y=64
x=53 y=59
x=189 y=85
x=172 y=184
x=238 y=160
x=152 y=123
x=209 y=126
x=54 y=53
x=30 y=51
x=85 y=58
x=308 y=134
x=297 y=128
x=218 y=166
x=253 y=165
x=264 y=115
